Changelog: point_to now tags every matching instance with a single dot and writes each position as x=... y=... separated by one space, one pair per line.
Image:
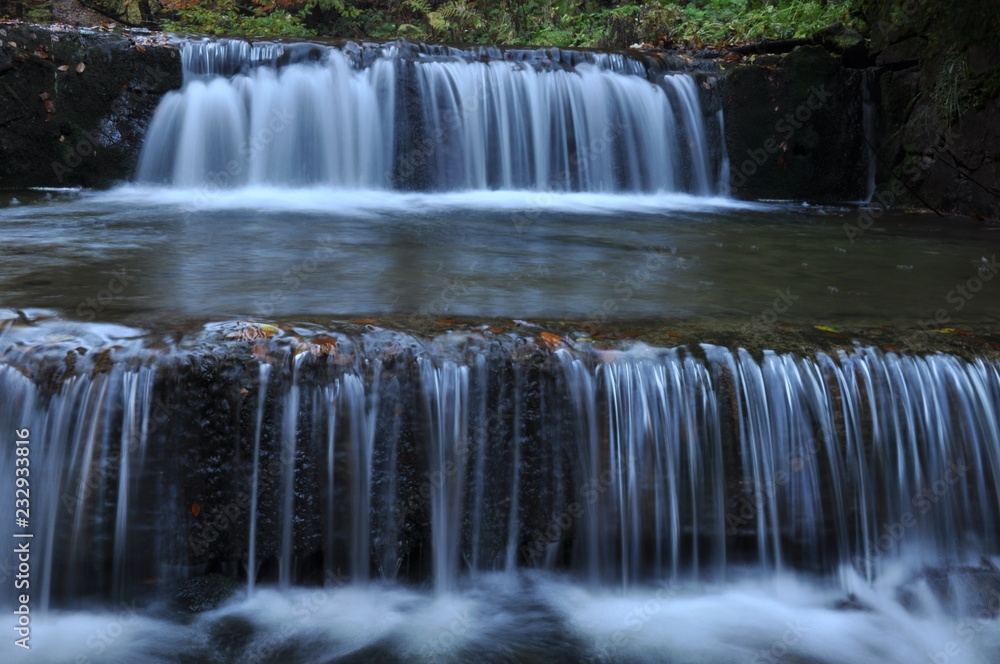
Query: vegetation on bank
x=576 y=23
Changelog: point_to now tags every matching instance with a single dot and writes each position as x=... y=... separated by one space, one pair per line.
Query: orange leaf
x=674 y=334
x=195 y=509
x=551 y=340
x=364 y=321
x=80 y=67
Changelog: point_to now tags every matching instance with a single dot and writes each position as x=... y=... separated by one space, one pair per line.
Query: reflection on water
x=261 y=252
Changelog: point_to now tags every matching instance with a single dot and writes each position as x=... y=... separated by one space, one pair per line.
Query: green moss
x=985 y=86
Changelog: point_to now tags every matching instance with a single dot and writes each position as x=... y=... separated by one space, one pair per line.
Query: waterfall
x=393 y=458
x=406 y=117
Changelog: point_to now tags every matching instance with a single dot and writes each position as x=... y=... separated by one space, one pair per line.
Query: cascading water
x=382 y=459
x=291 y=493
x=397 y=117
x=389 y=459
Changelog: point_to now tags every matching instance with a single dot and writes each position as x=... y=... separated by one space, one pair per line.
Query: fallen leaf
x=445 y=322
x=551 y=340
x=44 y=96
x=80 y=67
x=674 y=334
x=890 y=349
x=63 y=67
x=140 y=48
x=824 y=328
x=195 y=509
x=253 y=331
x=50 y=106
x=364 y=321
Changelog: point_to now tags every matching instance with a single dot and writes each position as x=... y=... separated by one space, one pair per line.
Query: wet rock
x=794 y=130
x=903 y=54
x=204 y=593
x=100 y=92
x=961 y=590
x=844 y=41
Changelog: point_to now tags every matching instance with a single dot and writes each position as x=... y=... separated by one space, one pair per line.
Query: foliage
x=576 y=23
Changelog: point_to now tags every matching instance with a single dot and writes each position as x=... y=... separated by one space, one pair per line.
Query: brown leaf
x=80 y=67
x=195 y=509
x=551 y=340
x=140 y=48
x=50 y=106
x=364 y=321
x=673 y=334
x=44 y=96
x=253 y=331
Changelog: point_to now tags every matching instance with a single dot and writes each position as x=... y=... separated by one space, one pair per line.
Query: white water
x=441 y=123
x=534 y=618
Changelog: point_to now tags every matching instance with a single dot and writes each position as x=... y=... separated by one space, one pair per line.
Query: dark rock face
x=75 y=105
x=939 y=112
x=794 y=129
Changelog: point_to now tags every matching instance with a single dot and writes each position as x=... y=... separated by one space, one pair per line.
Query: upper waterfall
x=431 y=118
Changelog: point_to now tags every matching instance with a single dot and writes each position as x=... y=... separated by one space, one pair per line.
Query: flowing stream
x=325 y=489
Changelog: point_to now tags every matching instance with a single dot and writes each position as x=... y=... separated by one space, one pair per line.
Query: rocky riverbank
x=77 y=102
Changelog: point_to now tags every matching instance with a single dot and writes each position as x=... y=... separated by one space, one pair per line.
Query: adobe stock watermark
x=560 y=524
x=781 y=304
x=92 y=140
x=100 y=475
x=444 y=642
x=88 y=309
x=923 y=502
x=100 y=640
x=961 y=294
x=634 y=622
x=967 y=630
x=594 y=149
x=294 y=277
x=267 y=646
x=626 y=286
x=799 y=458
x=883 y=199
x=785 y=128
x=794 y=631
x=216 y=522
